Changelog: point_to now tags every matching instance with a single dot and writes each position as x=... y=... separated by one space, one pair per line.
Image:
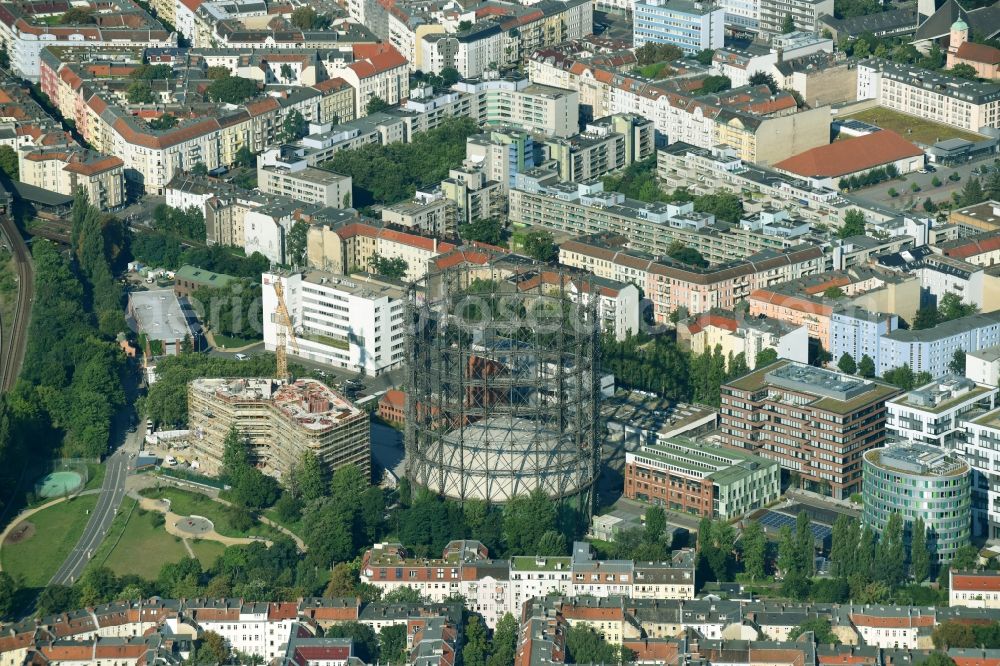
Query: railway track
x=13 y=349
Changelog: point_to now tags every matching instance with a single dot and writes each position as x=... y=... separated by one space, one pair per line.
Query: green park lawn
x=57 y=529
x=228 y=342
x=185 y=503
x=141 y=535
x=912 y=128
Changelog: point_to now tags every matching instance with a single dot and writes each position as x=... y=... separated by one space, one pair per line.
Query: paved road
x=100 y=520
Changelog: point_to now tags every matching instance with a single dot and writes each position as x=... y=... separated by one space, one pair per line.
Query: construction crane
x=284 y=322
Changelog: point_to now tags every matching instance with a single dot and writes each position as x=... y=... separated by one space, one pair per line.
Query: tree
x=843 y=546
x=525 y=520
x=833 y=292
x=308 y=478
x=585 y=646
x=866 y=367
x=890 y=556
x=212 y=649
x=476 y=650
x=235 y=455
x=966 y=559
x=244 y=157
x=926 y=317
x=651 y=53
x=862 y=49
x=901 y=377
x=7 y=589
x=938 y=659
x=403 y=595
x=77 y=16
x=450 y=76
x=714 y=84
x=656 y=524
x=293 y=127
x=725 y=206
x=686 y=254
x=539 y=245
x=705 y=56
x=963 y=71
x=489 y=231
x=953 y=634
x=951 y=307
x=8 y=162
x=56 y=599
x=788 y=24
x=504 y=642
x=231 y=89
x=199 y=169
x=765 y=357
x=139 y=92
x=972 y=193
x=957 y=363
x=820 y=627
x=754 y=548
x=764 y=78
x=920 y=557
x=854 y=224
x=392 y=644
x=304 y=18
x=394 y=269
x=363 y=636
x=297 y=241
x=846 y=364
x=376 y=104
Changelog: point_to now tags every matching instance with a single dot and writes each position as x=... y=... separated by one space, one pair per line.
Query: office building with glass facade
x=920 y=481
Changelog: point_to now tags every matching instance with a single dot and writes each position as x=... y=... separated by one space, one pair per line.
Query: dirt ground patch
x=21 y=533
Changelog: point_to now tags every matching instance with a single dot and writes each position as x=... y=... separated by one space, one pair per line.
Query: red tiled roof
x=974 y=247
x=978 y=53
x=973 y=582
x=95 y=166
x=851 y=155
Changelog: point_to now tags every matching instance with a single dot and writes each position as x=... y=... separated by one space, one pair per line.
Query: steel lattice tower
x=502 y=387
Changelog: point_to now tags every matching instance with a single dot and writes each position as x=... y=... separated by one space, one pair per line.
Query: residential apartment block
x=283 y=172
x=805 y=13
x=761 y=127
x=353 y=323
x=671 y=286
x=931 y=350
x=494 y=587
x=735 y=334
x=66 y=169
x=605 y=145
x=982 y=451
x=541 y=199
x=935 y=96
x=936 y=412
x=282 y=420
x=700 y=479
x=688 y=24
x=974 y=589
x=814 y=422
x=528 y=106
x=26 y=28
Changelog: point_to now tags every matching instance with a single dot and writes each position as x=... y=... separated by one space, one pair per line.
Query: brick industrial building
x=816 y=423
x=704 y=480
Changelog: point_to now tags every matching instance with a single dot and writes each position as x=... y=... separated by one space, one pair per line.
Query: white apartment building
x=377 y=70
x=974 y=589
x=935 y=413
x=805 y=13
x=427 y=213
x=931 y=350
x=531 y=107
x=982 y=452
x=281 y=171
x=496 y=587
x=354 y=323
x=983 y=366
x=940 y=97
x=254 y=631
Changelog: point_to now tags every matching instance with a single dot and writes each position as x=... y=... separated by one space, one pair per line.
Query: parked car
x=240 y=357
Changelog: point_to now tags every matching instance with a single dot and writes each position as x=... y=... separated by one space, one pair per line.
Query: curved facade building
x=920 y=481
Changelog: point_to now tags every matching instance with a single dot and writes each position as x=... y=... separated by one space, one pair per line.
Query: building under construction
x=502 y=389
x=281 y=419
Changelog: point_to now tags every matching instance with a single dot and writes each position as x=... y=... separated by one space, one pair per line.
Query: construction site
x=281 y=420
x=503 y=386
